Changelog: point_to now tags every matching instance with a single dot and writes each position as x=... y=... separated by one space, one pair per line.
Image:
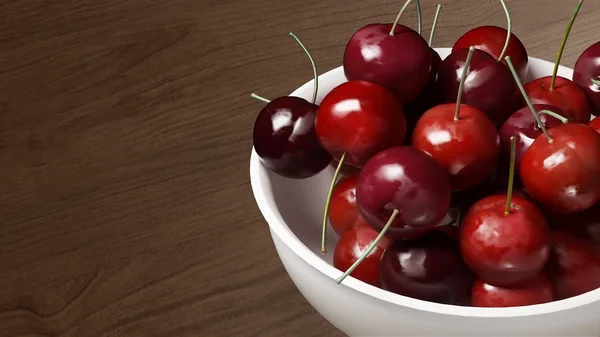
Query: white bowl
x=293 y=209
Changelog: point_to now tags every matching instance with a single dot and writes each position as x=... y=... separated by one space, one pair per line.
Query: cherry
x=574 y=266
x=345 y=169
x=408 y=180
x=352 y=244
x=429 y=268
x=522 y=125
x=356 y=120
x=503 y=238
x=284 y=134
x=461 y=138
x=389 y=54
x=536 y=290
x=587 y=74
x=343 y=213
x=559 y=91
x=427 y=99
x=498 y=42
x=560 y=170
x=585 y=225
x=595 y=124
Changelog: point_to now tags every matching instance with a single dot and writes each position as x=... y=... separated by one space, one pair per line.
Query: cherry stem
x=370 y=249
x=527 y=100
x=462 y=81
x=328 y=202
x=508 y=30
x=564 y=120
x=260 y=98
x=419 y=23
x=434 y=25
x=563 y=43
x=596 y=80
x=314 y=66
x=398 y=17
x=511 y=174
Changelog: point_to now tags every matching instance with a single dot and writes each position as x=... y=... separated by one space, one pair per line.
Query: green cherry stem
x=563 y=43
x=527 y=100
x=398 y=17
x=328 y=202
x=511 y=174
x=419 y=22
x=434 y=25
x=462 y=82
x=596 y=80
x=508 y=30
x=314 y=66
x=370 y=249
x=564 y=120
x=260 y=98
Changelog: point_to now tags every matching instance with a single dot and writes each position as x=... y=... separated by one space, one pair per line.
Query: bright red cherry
x=504 y=249
x=428 y=268
x=561 y=171
x=575 y=265
x=343 y=213
x=498 y=42
x=461 y=138
x=359 y=118
x=587 y=74
x=389 y=54
x=523 y=126
x=559 y=91
x=408 y=180
x=595 y=124
x=352 y=244
x=536 y=290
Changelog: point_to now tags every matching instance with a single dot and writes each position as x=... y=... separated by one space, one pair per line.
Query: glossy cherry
x=559 y=91
x=343 y=213
x=428 y=268
x=587 y=75
x=408 y=180
x=595 y=124
x=498 y=42
x=536 y=290
x=359 y=118
x=462 y=139
x=523 y=126
x=352 y=244
x=504 y=249
x=574 y=266
x=489 y=86
x=389 y=54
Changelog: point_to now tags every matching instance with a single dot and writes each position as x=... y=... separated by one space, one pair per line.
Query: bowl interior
x=294 y=211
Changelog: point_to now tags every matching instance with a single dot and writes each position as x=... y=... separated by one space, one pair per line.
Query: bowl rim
x=261 y=185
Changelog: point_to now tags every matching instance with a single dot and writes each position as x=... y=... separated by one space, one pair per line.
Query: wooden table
x=125 y=135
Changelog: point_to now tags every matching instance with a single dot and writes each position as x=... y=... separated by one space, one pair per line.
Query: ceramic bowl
x=293 y=209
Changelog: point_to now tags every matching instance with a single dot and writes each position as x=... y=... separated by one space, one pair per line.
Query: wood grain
x=125 y=134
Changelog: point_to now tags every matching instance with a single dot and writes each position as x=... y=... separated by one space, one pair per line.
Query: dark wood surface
x=125 y=135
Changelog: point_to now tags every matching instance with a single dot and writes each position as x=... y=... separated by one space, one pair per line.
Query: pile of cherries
x=454 y=182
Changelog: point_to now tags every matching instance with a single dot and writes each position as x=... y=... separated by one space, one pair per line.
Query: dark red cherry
x=491 y=39
x=504 y=249
x=563 y=174
x=428 y=268
x=467 y=148
x=285 y=139
x=359 y=118
x=408 y=180
x=574 y=266
x=536 y=290
x=389 y=54
x=567 y=96
x=343 y=213
x=587 y=75
x=351 y=246
x=489 y=86
x=585 y=225
x=523 y=126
